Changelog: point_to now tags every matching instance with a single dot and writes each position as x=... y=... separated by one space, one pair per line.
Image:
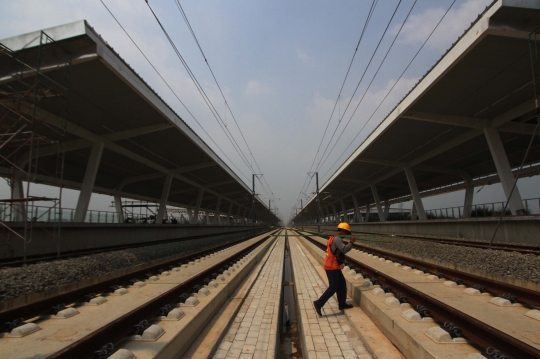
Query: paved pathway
x=255 y=330
x=329 y=336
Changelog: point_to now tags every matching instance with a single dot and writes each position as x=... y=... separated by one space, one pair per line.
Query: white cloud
x=255 y=88
x=303 y=56
x=419 y=26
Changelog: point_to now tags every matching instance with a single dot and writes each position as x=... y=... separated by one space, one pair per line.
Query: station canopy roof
x=105 y=100
x=483 y=81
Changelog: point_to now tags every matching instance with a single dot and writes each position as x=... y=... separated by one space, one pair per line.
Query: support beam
x=467 y=205
x=504 y=170
x=162 y=211
x=356 y=208
x=17 y=191
x=229 y=212
x=118 y=207
x=414 y=213
x=195 y=218
x=335 y=219
x=343 y=210
x=368 y=211
x=217 y=214
x=380 y=211
x=415 y=193
x=88 y=182
x=386 y=209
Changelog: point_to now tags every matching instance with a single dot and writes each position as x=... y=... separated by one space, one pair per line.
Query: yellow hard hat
x=345 y=226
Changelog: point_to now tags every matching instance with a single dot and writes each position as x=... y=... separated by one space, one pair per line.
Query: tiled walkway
x=331 y=335
x=255 y=329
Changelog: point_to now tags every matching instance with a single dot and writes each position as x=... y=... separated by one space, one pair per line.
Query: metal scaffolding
x=26 y=81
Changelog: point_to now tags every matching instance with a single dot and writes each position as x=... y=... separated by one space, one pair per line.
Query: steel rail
x=44 y=306
x=524 y=295
x=509 y=247
x=117 y=330
x=478 y=332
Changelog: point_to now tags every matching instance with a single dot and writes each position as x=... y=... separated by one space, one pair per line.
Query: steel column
x=356 y=208
x=88 y=182
x=504 y=170
x=415 y=193
x=380 y=210
x=217 y=213
x=118 y=206
x=162 y=211
x=195 y=218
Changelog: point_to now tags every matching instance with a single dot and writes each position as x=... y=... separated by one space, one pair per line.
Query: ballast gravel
x=18 y=281
x=511 y=264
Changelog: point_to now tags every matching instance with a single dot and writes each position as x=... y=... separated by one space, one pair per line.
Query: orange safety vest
x=330 y=262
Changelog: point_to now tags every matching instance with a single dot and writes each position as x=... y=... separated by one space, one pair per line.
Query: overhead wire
x=369 y=85
x=170 y=88
x=360 y=81
x=393 y=86
x=366 y=23
x=188 y=24
x=201 y=91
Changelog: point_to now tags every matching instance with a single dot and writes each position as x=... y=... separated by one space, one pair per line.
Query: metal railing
x=10 y=213
x=531 y=205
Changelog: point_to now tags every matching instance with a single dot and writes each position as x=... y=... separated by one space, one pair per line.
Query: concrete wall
x=77 y=236
x=512 y=229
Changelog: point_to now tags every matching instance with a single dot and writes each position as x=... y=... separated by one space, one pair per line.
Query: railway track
x=509 y=247
x=459 y=320
x=200 y=269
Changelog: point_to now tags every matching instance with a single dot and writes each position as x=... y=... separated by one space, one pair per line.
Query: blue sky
x=280 y=64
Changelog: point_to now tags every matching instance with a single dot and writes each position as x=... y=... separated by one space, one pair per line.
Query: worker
x=333 y=263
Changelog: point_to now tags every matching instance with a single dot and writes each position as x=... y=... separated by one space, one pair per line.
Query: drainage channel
x=290 y=340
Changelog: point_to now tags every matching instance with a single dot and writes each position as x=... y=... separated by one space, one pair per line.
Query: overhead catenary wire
x=366 y=23
x=170 y=88
x=371 y=82
x=201 y=91
x=360 y=81
x=186 y=20
x=389 y=91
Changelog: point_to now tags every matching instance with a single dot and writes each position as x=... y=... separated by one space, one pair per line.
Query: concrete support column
x=229 y=212
x=88 y=182
x=356 y=209
x=386 y=209
x=207 y=217
x=380 y=211
x=189 y=211
x=238 y=215
x=413 y=212
x=217 y=214
x=343 y=210
x=415 y=193
x=118 y=206
x=244 y=218
x=368 y=209
x=504 y=170
x=162 y=211
x=195 y=218
x=335 y=219
x=469 y=195
x=18 y=211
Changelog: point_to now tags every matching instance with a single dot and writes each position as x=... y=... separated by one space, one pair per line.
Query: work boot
x=345 y=306
x=317 y=308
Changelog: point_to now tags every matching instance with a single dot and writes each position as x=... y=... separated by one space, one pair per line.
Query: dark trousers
x=336 y=284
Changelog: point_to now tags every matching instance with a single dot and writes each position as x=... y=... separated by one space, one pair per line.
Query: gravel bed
x=511 y=264
x=18 y=281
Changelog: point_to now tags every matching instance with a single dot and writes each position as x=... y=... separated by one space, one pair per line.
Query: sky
x=280 y=65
